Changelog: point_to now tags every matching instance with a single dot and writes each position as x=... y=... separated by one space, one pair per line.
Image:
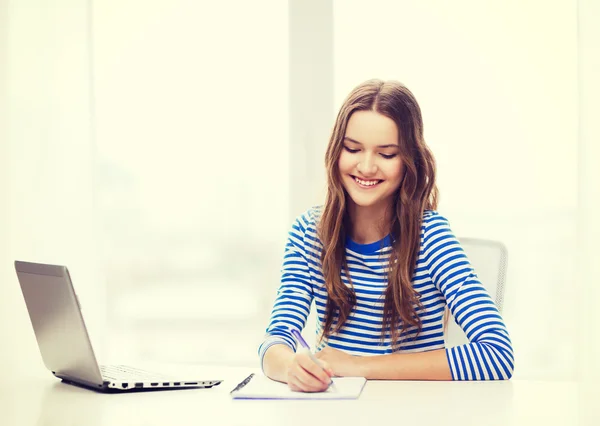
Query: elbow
x=511 y=370
x=508 y=364
x=508 y=373
x=500 y=360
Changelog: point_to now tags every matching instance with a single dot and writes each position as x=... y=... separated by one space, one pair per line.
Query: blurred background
x=161 y=150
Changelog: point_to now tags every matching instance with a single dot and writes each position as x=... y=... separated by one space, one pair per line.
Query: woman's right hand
x=305 y=375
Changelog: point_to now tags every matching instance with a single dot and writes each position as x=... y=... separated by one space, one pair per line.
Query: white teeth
x=366 y=182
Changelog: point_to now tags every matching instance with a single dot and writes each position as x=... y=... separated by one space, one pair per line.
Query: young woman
x=381 y=263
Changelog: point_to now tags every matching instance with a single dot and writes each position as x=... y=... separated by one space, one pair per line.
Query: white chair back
x=489 y=259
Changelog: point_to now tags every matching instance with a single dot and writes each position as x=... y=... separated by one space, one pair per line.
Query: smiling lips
x=367 y=184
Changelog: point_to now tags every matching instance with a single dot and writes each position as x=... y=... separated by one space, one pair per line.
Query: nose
x=366 y=165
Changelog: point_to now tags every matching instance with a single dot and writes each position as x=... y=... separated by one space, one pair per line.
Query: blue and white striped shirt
x=443 y=276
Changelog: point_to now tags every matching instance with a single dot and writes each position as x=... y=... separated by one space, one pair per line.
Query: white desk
x=49 y=402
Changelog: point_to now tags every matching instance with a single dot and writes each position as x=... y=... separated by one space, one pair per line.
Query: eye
x=388 y=156
x=350 y=150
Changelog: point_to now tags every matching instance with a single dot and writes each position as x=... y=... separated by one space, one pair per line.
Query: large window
x=191 y=107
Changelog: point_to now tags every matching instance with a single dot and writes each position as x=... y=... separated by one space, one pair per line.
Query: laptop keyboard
x=123 y=373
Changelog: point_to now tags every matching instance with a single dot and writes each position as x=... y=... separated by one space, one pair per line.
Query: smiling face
x=370 y=166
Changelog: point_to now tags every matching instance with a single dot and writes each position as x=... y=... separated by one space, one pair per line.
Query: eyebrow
x=393 y=145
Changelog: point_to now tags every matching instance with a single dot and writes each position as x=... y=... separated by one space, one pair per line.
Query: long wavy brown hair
x=417 y=193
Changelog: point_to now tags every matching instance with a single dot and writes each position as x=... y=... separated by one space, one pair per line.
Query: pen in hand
x=303 y=343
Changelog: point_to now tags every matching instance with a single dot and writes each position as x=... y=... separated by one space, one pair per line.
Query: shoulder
x=308 y=219
x=306 y=223
x=431 y=217
x=437 y=239
x=433 y=223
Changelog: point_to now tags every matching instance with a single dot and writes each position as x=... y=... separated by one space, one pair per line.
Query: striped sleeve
x=489 y=353
x=295 y=293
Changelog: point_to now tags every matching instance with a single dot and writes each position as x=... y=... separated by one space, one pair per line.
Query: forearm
x=431 y=365
x=276 y=362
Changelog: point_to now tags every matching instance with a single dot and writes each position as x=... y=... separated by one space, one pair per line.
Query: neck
x=368 y=224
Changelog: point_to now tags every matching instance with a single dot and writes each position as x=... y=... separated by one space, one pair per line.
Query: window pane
x=191 y=114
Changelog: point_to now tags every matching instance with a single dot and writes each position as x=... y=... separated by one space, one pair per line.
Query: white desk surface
x=47 y=401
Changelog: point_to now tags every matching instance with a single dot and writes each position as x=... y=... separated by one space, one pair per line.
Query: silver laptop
x=64 y=342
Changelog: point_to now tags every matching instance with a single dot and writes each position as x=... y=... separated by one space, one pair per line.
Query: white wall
x=497 y=83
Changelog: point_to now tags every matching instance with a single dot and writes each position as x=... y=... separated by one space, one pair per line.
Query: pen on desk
x=303 y=343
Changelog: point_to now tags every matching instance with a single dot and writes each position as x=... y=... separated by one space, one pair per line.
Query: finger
x=293 y=386
x=296 y=385
x=307 y=382
x=309 y=365
x=293 y=382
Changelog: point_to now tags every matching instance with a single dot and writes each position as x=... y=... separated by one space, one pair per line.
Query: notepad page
x=261 y=387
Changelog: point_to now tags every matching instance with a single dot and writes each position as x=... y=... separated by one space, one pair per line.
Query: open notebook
x=259 y=386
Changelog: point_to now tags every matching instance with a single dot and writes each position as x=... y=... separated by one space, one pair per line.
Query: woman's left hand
x=340 y=362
